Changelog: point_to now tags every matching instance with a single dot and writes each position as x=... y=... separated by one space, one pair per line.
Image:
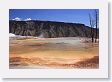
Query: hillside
x=49 y=29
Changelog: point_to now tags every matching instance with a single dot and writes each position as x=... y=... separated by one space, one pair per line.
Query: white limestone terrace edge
x=11 y=35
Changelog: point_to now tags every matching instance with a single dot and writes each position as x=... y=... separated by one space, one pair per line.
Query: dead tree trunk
x=91 y=25
x=96 y=23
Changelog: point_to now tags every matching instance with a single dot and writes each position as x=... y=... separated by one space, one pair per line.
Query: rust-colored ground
x=53 y=53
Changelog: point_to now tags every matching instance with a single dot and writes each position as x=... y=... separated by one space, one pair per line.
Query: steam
x=41 y=36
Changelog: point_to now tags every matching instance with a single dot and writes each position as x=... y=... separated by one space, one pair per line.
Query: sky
x=61 y=15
